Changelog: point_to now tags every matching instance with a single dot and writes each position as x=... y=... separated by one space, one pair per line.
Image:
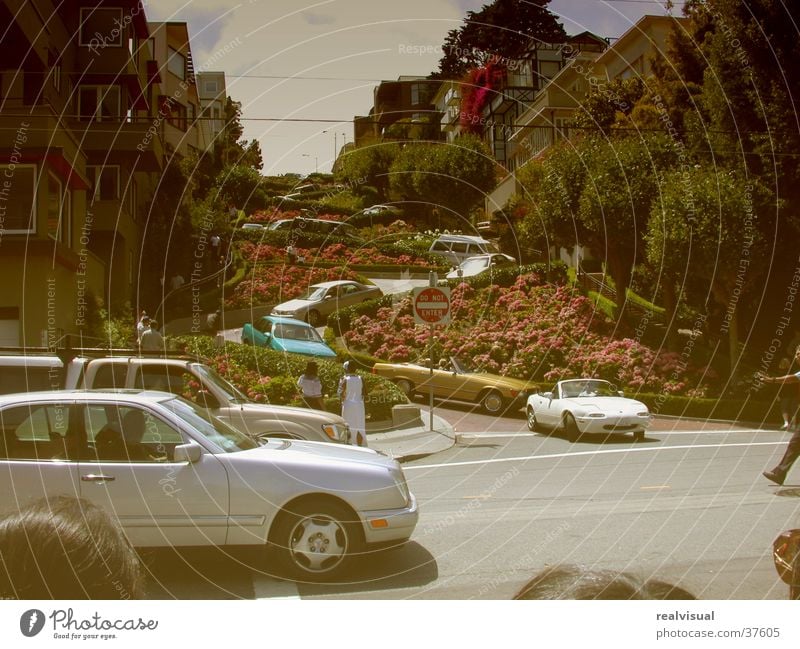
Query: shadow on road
x=406 y=566
x=229 y=573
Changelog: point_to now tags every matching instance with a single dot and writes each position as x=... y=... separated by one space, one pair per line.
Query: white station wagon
x=175 y=476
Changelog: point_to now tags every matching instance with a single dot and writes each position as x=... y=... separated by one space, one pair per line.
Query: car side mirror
x=620 y=393
x=189 y=453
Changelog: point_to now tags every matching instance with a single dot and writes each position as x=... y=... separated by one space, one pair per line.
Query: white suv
x=174 y=476
x=179 y=375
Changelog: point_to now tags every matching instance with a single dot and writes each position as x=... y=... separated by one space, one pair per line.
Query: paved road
x=688 y=506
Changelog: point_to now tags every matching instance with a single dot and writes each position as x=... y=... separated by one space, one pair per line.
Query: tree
x=606 y=105
x=708 y=231
x=623 y=179
x=450 y=178
x=597 y=192
x=501 y=30
x=367 y=166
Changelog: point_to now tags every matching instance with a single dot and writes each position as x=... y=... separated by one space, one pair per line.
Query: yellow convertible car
x=453 y=380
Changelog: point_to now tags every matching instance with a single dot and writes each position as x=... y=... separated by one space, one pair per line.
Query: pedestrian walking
x=788 y=393
x=351 y=390
x=778 y=474
x=311 y=387
x=152 y=340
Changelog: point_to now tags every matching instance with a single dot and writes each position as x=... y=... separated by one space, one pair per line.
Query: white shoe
x=785 y=426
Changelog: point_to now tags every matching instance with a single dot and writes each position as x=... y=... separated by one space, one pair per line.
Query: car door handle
x=94 y=477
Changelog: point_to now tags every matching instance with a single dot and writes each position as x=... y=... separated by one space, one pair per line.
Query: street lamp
x=316 y=161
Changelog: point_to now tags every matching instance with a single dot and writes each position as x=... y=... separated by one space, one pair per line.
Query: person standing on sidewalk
x=351 y=390
x=778 y=474
x=311 y=387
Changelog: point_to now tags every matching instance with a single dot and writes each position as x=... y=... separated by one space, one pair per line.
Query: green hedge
x=728 y=409
x=555 y=273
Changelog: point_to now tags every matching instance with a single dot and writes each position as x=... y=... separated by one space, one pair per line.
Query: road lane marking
x=269 y=588
x=525 y=458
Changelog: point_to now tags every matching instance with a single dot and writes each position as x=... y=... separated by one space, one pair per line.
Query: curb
x=413 y=443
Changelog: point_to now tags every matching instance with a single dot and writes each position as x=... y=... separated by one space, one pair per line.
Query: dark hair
x=311 y=367
x=66 y=548
x=574 y=582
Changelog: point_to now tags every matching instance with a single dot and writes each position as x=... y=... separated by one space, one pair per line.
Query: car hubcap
x=318 y=543
x=493 y=402
x=531 y=419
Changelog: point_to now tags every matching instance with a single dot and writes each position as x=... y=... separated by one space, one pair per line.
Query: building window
x=104 y=182
x=55 y=201
x=176 y=64
x=131 y=195
x=175 y=112
x=100 y=27
x=18 y=199
x=210 y=87
x=54 y=63
x=417 y=94
x=547 y=70
x=99 y=103
x=192 y=114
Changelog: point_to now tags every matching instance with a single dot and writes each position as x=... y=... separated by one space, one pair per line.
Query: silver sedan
x=175 y=476
x=320 y=300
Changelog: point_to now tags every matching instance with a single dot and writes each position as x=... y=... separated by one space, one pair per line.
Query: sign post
x=431 y=307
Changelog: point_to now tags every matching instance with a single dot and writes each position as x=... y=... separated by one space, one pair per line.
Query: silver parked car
x=175 y=476
x=320 y=300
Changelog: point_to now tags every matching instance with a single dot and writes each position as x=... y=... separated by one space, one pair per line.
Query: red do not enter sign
x=432 y=305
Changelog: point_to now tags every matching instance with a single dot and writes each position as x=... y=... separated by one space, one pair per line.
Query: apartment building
x=82 y=100
x=178 y=101
x=587 y=60
x=213 y=94
x=402 y=110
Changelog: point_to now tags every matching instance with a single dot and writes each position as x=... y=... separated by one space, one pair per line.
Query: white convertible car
x=585 y=406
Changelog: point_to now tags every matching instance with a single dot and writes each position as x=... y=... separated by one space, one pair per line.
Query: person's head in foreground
x=576 y=582
x=66 y=548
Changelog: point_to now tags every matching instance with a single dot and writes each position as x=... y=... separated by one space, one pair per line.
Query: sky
x=319 y=60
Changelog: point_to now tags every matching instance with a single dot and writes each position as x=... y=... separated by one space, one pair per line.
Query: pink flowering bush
x=531 y=330
x=277 y=283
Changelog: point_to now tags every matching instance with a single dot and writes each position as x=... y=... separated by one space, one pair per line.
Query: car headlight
x=596 y=415
x=401 y=484
x=337 y=432
x=644 y=413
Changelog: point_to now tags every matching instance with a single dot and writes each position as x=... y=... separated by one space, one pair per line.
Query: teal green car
x=286 y=335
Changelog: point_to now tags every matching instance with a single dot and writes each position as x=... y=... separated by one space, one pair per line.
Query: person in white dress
x=351 y=389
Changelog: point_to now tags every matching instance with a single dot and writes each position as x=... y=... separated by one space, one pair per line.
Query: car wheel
x=314 y=318
x=404 y=385
x=571 y=427
x=316 y=541
x=492 y=402
x=531 y=417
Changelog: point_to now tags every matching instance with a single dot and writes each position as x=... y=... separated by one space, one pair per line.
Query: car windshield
x=313 y=294
x=296 y=332
x=210 y=376
x=461 y=366
x=475 y=263
x=227 y=438
x=584 y=388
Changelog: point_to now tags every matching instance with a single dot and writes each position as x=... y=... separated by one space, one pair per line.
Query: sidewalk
x=411 y=442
